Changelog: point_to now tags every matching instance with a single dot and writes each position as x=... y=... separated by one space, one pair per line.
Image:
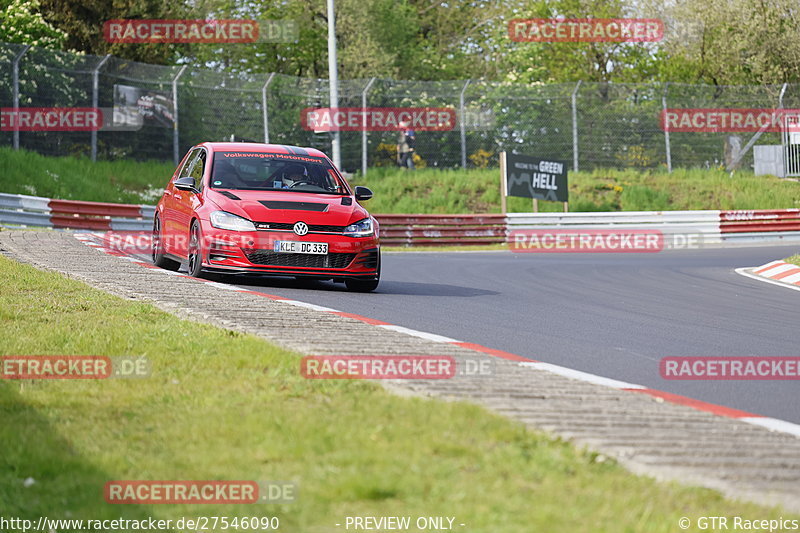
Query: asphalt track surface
x=614 y=315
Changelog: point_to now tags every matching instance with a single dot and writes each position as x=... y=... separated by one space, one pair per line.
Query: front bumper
x=253 y=252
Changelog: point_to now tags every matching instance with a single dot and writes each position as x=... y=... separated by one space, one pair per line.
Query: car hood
x=276 y=206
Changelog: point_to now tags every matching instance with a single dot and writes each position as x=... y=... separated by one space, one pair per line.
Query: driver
x=293 y=174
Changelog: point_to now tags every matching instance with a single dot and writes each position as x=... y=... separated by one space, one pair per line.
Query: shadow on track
x=386 y=287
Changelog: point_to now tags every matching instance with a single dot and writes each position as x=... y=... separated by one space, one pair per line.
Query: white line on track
x=421 y=334
x=743 y=272
x=582 y=376
x=308 y=306
x=774 y=424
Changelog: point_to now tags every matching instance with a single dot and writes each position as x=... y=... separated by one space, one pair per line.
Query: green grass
x=478 y=191
x=224 y=405
x=795 y=259
x=77 y=178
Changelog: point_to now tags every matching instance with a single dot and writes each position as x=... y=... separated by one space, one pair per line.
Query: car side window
x=196 y=171
x=184 y=170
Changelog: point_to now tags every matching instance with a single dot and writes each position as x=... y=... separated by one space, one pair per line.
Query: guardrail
x=34 y=211
x=704 y=224
x=431 y=230
x=761 y=225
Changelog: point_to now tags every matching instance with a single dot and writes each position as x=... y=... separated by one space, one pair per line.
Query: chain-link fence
x=590 y=125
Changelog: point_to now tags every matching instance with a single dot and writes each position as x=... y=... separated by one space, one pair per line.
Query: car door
x=170 y=215
x=187 y=201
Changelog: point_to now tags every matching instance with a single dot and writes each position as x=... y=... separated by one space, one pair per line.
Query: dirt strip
x=645 y=434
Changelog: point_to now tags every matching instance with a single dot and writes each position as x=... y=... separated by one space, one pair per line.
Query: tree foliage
x=711 y=41
x=22 y=23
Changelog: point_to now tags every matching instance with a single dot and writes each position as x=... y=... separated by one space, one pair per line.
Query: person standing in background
x=405 y=145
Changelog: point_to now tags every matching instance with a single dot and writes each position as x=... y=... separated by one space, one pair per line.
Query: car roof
x=263 y=147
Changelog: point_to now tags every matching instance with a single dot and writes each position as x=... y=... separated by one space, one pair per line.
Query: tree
x=82 y=21
x=22 y=23
x=574 y=61
x=726 y=42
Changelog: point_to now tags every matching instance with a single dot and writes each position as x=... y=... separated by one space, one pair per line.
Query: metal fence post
x=463 y=125
x=666 y=128
x=264 y=106
x=757 y=135
x=16 y=92
x=175 y=138
x=95 y=90
x=575 y=166
x=364 y=127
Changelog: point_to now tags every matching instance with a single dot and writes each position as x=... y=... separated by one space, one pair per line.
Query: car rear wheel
x=159 y=259
x=195 y=251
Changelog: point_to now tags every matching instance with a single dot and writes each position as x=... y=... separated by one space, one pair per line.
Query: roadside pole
x=503 y=205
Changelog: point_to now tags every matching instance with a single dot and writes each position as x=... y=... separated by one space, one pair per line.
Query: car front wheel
x=159 y=259
x=195 y=251
x=364 y=285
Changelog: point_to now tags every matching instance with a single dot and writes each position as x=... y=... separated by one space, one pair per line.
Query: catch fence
x=157 y=112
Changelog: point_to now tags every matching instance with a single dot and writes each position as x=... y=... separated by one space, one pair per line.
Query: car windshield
x=259 y=171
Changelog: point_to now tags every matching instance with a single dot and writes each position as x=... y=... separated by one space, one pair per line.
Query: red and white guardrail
x=35 y=211
x=708 y=227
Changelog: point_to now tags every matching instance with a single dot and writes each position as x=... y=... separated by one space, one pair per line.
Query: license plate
x=297 y=247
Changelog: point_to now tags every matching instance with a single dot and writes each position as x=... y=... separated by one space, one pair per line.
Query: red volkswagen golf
x=266 y=209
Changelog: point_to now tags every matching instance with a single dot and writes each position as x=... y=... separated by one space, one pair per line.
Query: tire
x=364 y=285
x=361 y=285
x=159 y=259
x=195 y=255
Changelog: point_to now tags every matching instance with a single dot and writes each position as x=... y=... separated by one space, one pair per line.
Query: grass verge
x=795 y=259
x=224 y=405
x=77 y=178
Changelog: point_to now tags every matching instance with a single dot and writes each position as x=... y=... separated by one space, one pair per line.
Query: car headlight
x=362 y=228
x=225 y=220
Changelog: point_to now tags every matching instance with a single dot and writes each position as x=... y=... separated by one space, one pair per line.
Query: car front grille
x=270 y=258
x=312 y=228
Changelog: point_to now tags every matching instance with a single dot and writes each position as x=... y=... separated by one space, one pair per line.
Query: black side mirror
x=363 y=193
x=185 y=184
